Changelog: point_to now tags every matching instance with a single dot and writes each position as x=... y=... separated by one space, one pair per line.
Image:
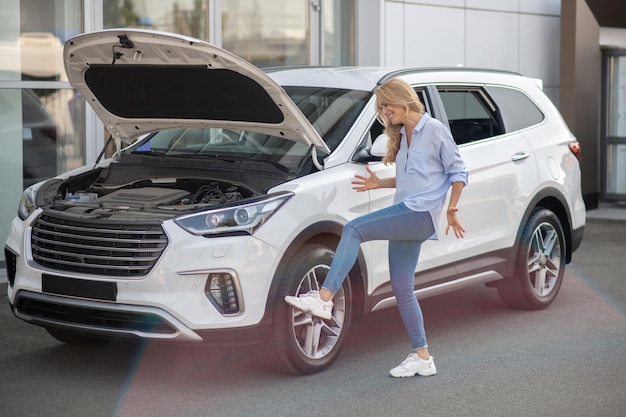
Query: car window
x=472 y=115
x=423 y=98
x=331 y=111
x=518 y=111
x=376 y=128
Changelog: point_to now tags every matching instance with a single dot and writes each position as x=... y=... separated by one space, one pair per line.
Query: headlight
x=27 y=203
x=238 y=218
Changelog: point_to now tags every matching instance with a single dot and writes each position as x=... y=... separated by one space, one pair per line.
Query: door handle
x=519 y=156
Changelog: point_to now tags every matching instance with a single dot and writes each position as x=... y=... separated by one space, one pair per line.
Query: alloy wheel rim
x=316 y=337
x=544 y=259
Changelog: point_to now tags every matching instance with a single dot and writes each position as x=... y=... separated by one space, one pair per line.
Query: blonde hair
x=398 y=93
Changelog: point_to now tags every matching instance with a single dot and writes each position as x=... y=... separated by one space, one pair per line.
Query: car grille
x=111 y=249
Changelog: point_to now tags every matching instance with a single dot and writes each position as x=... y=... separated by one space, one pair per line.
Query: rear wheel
x=302 y=343
x=540 y=264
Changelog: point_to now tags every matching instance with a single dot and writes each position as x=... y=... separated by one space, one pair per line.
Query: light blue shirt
x=426 y=170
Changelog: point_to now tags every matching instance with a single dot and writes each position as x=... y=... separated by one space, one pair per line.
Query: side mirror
x=379 y=148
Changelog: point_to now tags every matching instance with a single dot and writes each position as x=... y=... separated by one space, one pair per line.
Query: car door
x=382 y=198
x=502 y=174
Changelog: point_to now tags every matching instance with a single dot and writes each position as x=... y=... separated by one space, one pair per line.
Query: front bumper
x=170 y=303
x=125 y=321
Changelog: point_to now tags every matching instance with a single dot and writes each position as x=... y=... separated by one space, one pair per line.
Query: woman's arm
x=453 y=221
x=362 y=183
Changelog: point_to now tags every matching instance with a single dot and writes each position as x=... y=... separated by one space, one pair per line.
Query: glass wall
x=289 y=32
x=266 y=33
x=45 y=127
x=41 y=118
x=187 y=17
x=614 y=140
x=338 y=32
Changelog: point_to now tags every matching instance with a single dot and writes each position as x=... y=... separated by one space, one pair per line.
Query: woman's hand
x=361 y=183
x=453 y=222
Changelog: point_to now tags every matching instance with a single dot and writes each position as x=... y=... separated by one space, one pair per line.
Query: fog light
x=222 y=289
x=11 y=261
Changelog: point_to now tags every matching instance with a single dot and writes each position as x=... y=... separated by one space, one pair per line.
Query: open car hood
x=139 y=81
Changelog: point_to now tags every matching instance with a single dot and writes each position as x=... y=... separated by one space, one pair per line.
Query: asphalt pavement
x=600 y=261
x=611 y=212
x=567 y=360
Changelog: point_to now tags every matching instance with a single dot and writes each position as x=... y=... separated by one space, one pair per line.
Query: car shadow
x=160 y=363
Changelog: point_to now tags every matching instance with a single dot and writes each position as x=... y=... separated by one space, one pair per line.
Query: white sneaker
x=412 y=365
x=311 y=303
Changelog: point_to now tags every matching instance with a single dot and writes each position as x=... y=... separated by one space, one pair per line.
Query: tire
x=540 y=264
x=302 y=344
x=75 y=339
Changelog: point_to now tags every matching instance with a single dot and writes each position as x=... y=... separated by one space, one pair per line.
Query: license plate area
x=96 y=290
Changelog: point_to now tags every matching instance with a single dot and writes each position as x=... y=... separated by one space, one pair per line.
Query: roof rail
x=393 y=73
x=290 y=67
x=404 y=71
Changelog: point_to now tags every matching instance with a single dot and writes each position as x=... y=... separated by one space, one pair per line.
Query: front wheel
x=540 y=264
x=302 y=343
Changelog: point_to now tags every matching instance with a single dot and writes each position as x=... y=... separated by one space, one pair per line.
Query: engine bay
x=117 y=194
x=161 y=197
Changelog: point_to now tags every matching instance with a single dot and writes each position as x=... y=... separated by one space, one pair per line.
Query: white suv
x=236 y=187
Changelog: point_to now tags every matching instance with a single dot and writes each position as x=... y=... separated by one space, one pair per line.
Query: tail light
x=576 y=150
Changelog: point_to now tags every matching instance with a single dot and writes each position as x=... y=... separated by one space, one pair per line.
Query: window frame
x=487 y=103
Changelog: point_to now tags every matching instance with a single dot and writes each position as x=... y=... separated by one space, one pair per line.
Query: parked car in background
x=238 y=186
x=39 y=140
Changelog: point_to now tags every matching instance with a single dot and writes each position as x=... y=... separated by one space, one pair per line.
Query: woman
x=428 y=164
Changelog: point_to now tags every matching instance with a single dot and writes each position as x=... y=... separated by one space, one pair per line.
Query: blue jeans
x=405 y=230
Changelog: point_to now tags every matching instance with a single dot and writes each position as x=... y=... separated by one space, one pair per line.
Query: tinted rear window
x=519 y=112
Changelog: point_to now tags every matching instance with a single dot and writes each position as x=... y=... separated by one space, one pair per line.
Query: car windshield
x=331 y=111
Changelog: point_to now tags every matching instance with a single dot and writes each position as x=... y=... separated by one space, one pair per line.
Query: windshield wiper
x=149 y=152
x=280 y=167
x=215 y=157
x=230 y=159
